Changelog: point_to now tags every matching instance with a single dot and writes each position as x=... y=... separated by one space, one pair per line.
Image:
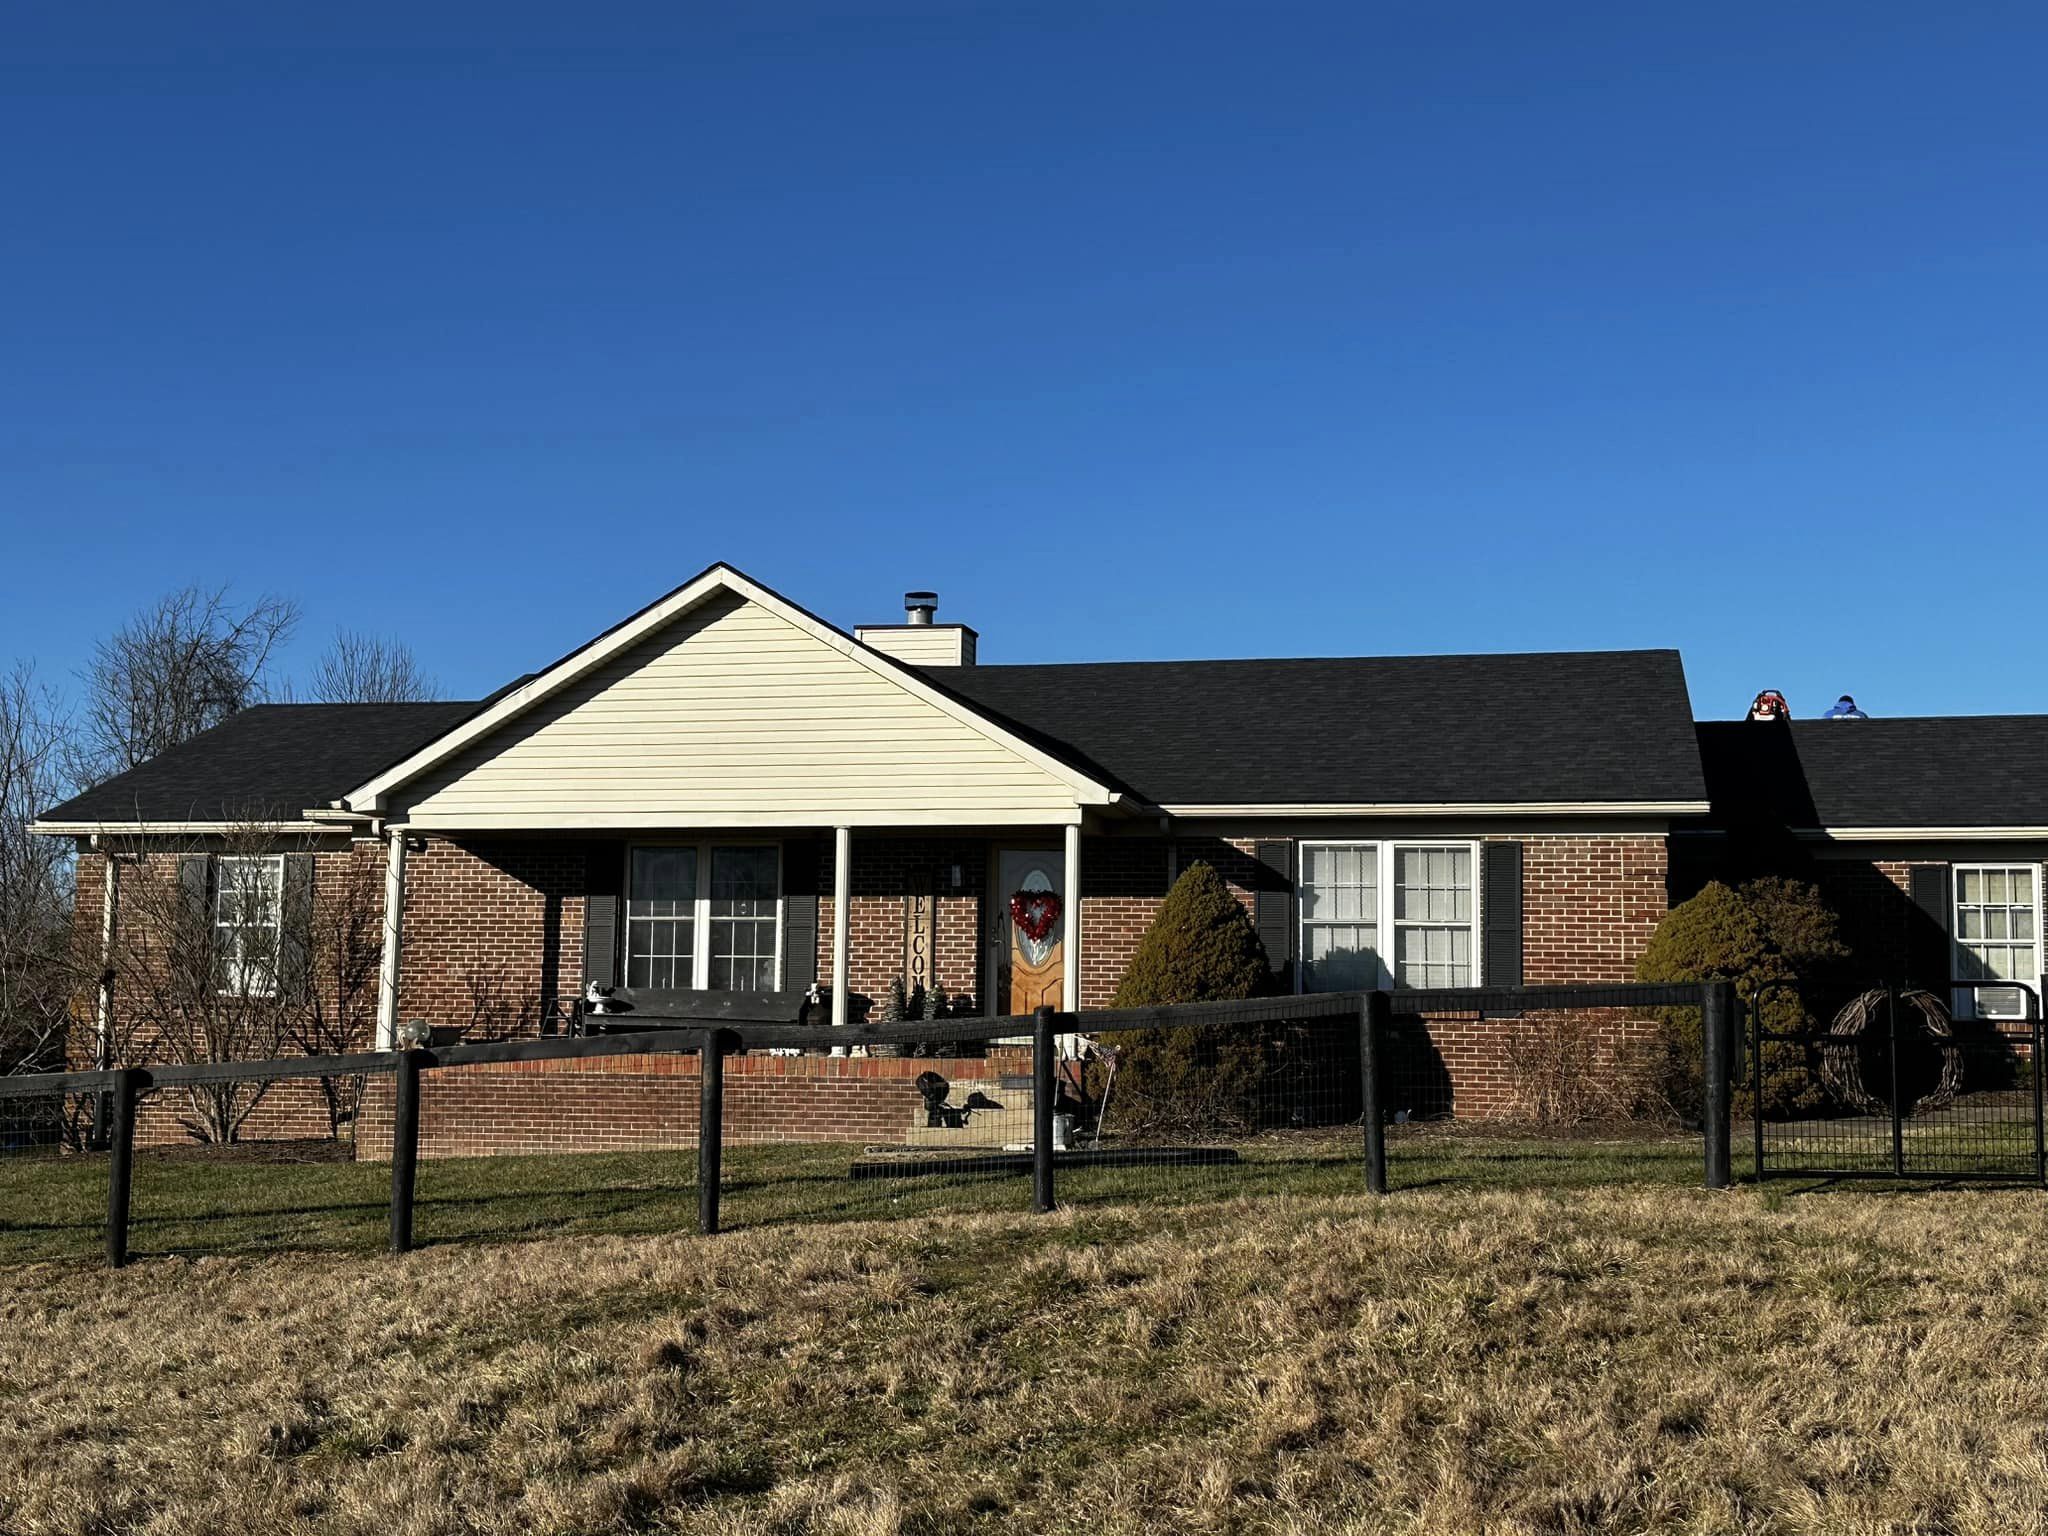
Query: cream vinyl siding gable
x=732 y=715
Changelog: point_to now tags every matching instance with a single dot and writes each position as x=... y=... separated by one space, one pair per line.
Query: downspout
x=103 y=1008
x=394 y=938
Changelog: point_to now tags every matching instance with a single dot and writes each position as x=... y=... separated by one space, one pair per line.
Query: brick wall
x=1589 y=906
x=493 y=930
x=885 y=870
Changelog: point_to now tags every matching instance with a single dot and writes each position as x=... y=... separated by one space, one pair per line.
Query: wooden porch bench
x=630 y=1010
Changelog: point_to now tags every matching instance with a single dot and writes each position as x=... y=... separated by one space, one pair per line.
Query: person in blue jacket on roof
x=1845 y=709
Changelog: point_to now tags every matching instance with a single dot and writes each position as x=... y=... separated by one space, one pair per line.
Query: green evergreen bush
x=1760 y=934
x=1201 y=947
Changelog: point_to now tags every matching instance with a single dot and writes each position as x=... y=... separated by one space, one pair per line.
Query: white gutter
x=1918 y=834
x=165 y=828
x=1451 y=808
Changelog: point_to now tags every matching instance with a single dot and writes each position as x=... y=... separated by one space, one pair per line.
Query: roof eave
x=1917 y=834
x=1444 y=808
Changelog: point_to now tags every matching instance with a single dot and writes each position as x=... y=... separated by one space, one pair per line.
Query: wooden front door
x=1032 y=970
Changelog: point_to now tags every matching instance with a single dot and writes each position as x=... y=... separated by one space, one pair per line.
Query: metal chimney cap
x=918 y=607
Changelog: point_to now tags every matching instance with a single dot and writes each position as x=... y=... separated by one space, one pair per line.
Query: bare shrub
x=237 y=950
x=1562 y=1069
x=339 y=1013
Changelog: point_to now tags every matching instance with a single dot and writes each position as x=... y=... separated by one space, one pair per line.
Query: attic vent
x=920 y=639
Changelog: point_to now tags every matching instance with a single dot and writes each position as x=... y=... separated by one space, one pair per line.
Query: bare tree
x=345 y=923
x=40 y=971
x=181 y=666
x=238 y=951
x=368 y=669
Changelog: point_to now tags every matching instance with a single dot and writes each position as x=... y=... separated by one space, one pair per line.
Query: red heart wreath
x=1036 y=913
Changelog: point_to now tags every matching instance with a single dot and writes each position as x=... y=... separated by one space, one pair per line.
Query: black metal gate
x=1893 y=1087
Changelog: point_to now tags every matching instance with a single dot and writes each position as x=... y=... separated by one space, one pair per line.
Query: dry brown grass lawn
x=1614 y=1359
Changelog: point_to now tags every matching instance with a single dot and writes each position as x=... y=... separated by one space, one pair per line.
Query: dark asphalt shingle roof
x=1926 y=771
x=270 y=762
x=1388 y=730
x=1580 y=726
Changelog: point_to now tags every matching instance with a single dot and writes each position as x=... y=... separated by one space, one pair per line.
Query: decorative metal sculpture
x=1841 y=1055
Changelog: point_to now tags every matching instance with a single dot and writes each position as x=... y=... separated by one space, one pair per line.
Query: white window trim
x=1964 y=1002
x=220 y=886
x=1385 y=850
x=700 y=908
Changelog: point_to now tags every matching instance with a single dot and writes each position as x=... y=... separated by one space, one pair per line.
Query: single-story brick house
x=725 y=791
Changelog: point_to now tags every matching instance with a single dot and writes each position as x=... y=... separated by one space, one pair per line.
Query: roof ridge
x=1267 y=661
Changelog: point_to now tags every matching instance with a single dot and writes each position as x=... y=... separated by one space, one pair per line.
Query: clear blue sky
x=1138 y=331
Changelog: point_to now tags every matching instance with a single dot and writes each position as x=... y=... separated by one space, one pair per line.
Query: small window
x=1997 y=933
x=686 y=931
x=248 y=919
x=1426 y=938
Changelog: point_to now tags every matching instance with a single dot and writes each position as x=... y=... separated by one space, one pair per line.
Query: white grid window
x=743 y=919
x=1427 y=939
x=1340 y=915
x=248 y=920
x=684 y=930
x=661 y=918
x=1997 y=936
x=1433 y=917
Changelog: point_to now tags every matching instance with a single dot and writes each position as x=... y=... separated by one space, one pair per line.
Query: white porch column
x=1070 y=906
x=842 y=886
x=103 y=1010
x=394 y=938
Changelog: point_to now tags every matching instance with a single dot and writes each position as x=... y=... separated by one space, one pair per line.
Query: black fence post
x=1373 y=1016
x=1042 y=1093
x=128 y=1082
x=1717 y=1041
x=710 y=1127
x=1891 y=1010
x=405 y=1148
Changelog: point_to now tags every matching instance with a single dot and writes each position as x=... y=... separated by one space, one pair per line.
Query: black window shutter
x=295 y=938
x=604 y=873
x=1501 y=899
x=195 y=890
x=1929 y=953
x=799 y=915
x=1273 y=908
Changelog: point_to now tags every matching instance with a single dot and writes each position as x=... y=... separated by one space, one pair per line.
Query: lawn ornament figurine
x=938 y=1114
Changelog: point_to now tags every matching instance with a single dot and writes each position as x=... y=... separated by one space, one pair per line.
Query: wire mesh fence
x=1132 y=1108
x=53 y=1178
x=700 y=1125
x=1897 y=1083
x=488 y=1137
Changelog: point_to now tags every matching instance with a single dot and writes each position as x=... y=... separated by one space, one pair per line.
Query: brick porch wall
x=626 y=1103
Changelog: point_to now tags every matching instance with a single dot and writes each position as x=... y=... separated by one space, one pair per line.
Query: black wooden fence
x=1371 y=1014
